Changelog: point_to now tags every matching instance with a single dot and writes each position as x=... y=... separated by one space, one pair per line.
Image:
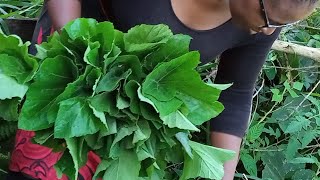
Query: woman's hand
x=63 y=11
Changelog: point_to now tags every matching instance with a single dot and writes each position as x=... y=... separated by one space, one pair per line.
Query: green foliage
x=283 y=137
x=7 y=130
x=20 y=9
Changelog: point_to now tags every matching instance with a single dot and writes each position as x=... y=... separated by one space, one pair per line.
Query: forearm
x=63 y=11
x=230 y=142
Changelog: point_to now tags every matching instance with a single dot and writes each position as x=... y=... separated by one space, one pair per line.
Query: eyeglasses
x=268 y=22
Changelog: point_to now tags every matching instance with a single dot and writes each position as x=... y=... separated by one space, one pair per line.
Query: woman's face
x=248 y=13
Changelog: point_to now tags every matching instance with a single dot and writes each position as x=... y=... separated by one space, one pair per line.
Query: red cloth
x=37 y=161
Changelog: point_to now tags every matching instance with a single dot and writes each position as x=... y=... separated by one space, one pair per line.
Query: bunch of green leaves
x=20 y=9
x=282 y=141
x=16 y=72
x=132 y=98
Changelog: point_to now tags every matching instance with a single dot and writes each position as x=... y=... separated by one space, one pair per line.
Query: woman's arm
x=63 y=11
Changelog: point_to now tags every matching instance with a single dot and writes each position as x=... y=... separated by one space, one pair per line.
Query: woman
x=240 y=32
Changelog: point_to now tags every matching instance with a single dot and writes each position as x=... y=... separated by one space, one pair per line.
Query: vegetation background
x=283 y=139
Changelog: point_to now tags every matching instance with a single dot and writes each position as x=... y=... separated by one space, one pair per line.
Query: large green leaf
x=111 y=80
x=131 y=89
x=122 y=133
x=199 y=111
x=80 y=28
x=177 y=119
x=122 y=102
x=21 y=69
x=249 y=164
x=149 y=113
x=9 y=109
x=65 y=165
x=307 y=137
x=72 y=159
x=176 y=46
x=164 y=107
x=184 y=140
x=50 y=81
x=104 y=164
x=91 y=55
x=13 y=45
x=92 y=79
x=102 y=117
x=146 y=37
x=75 y=118
x=105 y=34
x=275 y=165
x=207 y=162
x=10 y=88
x=143 y=131
x=147 y=149
x=105 y=102
x=303 y=160
x=292 y=147
x=14 y=52
x=296 y=125
x=97 y=141
x=78 y=88
x=46 y=138
x=79 y=152
x=304 y=174
x=155 y=173
x=130 y=62
x=255 y=132
x=177 y=79
x=288 y=111
x=55 y=47
x=126 y=166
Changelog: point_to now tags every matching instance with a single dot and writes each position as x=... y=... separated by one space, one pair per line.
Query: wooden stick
x=287 y=47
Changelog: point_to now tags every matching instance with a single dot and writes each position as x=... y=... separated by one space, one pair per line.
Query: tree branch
x=287 y=47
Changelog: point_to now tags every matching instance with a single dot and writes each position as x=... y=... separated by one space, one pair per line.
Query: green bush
x=283 y=139
x=20 y=9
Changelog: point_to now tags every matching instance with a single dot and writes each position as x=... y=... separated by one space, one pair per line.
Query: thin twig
x=3 y=171
x=245 y=177
x=241 y=175
x=291 y=69
x=305 y=98
x=257 y=92
x=212 y=74
x=309 y=27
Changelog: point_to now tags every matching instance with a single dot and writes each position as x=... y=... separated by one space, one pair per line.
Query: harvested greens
x=132 y=98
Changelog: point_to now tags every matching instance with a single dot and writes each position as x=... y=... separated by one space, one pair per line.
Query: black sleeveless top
x=241 y=54
x=210 y=43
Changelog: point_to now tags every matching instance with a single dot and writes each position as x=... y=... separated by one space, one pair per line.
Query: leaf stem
x=3 y=171
x=292 y=69
x=305 y=98
x=242 y=175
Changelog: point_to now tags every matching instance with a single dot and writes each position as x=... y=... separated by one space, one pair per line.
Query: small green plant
x=20 y=9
